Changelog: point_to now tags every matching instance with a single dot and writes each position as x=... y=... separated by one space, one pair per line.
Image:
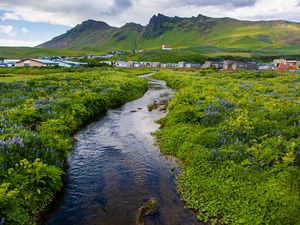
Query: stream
x=115 y=168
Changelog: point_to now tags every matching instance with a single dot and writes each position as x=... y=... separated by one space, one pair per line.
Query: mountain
x=199 y=31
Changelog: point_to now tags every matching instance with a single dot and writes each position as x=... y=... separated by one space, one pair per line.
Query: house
x=244 y=66
x=167 y=47
x=283 y=64
x=138 y=65
x=36 y=63
x=154 y=64
x=208 y=64
x=124 y=64
x=192 y=65
x=213 y=64
x=218 y=65
x=236 y=65
x=168 y=65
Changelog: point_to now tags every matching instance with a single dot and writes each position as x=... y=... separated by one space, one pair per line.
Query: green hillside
x=210 y=37
x=181 y=33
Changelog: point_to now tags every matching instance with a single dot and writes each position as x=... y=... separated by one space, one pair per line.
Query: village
x=277 y=64
x=68 y=62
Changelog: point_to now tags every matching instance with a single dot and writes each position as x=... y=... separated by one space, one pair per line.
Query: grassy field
x=237 y=134
x=22 y=74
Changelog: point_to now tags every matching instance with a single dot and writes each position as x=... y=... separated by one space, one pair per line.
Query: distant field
x=26 y=52
x=14 y=77
x=197 y=54
x=20 y=74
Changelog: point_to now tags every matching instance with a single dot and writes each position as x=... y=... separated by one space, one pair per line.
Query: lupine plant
x=238 y=134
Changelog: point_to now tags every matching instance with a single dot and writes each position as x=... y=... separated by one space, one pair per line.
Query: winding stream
x=114 y=169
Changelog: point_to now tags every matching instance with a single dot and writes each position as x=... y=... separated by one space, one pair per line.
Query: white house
x=167 y=47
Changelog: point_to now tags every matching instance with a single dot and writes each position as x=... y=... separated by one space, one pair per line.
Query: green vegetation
x=238 y=136
x=37 y=120
x=27 y=73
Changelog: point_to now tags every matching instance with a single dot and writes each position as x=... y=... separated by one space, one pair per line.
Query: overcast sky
x=31 y=22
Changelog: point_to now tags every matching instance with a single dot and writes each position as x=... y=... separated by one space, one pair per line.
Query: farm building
x=36 y=63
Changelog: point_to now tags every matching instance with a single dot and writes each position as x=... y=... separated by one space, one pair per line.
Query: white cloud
x=18 y=43
x=9 y=16
x=118 y=12
x=8 y=30
x=25 y=30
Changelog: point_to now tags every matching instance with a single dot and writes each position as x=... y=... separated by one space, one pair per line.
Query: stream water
x=114 y=169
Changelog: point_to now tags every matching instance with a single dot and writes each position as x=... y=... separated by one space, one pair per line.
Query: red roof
x=167 y=46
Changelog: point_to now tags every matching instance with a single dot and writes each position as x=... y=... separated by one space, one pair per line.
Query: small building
x=244 y=66
x=236 y=65
x=167 y=47
x=138 y=65
x=213 y=64
x=181 y=64
x=154 y=64
x=169 y=65
x=283 y=64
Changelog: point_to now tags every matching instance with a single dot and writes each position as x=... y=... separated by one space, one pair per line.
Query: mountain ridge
x=180 y=32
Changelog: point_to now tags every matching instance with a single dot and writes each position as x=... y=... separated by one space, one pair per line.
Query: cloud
x=119 y=12
x=8 y=30
x=18 y=43
x=25 y=30
x=232 y=3
x=120 y=5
